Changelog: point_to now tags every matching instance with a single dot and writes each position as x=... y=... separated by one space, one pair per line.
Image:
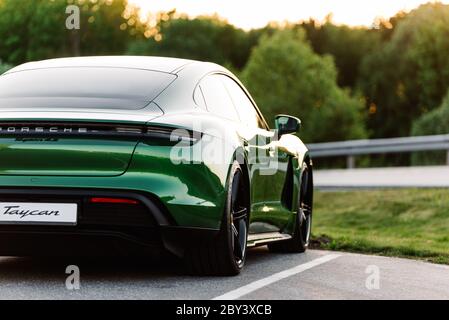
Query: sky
x=249 y=14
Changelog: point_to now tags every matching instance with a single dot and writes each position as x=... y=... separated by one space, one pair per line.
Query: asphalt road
x=313 y=275
x=430 y=176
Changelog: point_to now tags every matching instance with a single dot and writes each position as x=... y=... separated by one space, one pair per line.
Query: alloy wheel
x=239 y=219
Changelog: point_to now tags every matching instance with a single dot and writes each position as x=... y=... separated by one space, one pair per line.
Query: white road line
x=253 y=286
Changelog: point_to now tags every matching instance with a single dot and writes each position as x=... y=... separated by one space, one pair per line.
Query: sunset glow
x=249 y=14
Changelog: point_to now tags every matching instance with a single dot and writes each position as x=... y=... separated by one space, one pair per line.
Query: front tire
x=303 y=228
x=226 y=255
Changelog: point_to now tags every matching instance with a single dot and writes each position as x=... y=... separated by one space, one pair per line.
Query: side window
x=243 y=104
x=217 y=98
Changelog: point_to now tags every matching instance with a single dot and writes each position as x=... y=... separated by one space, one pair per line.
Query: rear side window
x=245 y=108
x=217 y=98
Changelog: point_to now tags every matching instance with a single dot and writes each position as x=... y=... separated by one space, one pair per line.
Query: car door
x=267 y=162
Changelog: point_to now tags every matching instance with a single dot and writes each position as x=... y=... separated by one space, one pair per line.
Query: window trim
x=198 y=89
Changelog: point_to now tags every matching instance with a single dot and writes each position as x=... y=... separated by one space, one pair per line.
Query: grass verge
x=411 y=223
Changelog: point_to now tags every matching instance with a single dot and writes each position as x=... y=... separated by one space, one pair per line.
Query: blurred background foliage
x=433 y=122
x=284 y=65
x=388 y=80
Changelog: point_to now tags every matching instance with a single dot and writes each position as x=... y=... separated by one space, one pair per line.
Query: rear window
x=82 y=87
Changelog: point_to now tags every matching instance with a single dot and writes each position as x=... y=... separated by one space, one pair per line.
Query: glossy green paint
x=193 y=193
x=64 y=157
x=281 y=195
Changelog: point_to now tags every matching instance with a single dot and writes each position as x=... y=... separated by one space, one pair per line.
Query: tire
x=227 y=254
x=299 y=241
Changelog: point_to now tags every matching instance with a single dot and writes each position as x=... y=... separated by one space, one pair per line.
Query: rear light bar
x=59 y=129
x=113 y=200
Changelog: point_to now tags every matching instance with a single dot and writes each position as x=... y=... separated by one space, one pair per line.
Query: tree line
x=388 y=80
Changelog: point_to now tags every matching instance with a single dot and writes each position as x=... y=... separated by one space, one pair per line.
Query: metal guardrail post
x=350 y=162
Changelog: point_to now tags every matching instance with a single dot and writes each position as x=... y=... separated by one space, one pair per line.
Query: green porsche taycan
x=128 y=155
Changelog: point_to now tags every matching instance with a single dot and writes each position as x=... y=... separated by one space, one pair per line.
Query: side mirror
x=287 y=124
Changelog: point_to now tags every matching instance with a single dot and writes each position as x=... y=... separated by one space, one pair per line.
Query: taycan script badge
x=16 y=210
x=38 y=213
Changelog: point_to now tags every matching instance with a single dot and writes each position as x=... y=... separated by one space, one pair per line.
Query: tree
x=347 y=45
x=15 y=17
x=33 y=30
x=286 y=76
x=409 y=76
x=202 y=38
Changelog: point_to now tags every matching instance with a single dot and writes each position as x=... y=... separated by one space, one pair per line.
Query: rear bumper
x=194 y=194
x=117 y=229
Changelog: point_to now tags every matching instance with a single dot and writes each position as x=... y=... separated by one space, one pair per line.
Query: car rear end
x=85 y=168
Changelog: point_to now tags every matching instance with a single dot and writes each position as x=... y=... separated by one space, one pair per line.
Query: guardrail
x=352 y=148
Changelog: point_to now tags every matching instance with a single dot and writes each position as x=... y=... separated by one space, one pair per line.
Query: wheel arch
x=297 y=174
x=242 y=159
x=308 y=161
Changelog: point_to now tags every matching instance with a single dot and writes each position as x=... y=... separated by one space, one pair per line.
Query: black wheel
x=301 y=236
x=226 y=255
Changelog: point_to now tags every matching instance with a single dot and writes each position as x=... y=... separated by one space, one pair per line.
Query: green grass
x=412 y=223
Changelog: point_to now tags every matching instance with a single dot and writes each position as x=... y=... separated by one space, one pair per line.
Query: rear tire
x=226 y=255
x=301 y=235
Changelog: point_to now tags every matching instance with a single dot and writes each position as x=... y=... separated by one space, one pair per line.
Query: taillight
x=113 y=200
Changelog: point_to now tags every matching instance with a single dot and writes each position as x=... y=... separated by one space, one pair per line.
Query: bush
x=431 y=123
x=286 y=76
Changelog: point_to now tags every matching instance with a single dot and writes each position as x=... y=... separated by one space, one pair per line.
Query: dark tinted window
x=82 y=87
x=217 y=98
x=245 y=108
